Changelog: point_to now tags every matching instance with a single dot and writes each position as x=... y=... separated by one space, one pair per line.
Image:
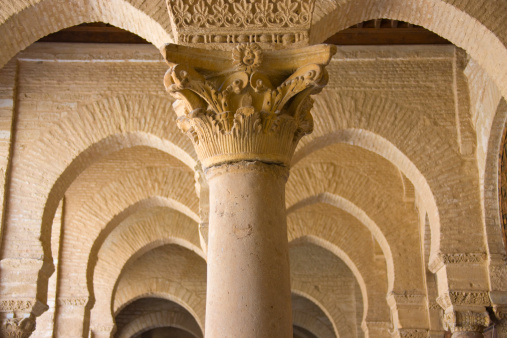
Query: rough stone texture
x=398 y=180
x=248 y=250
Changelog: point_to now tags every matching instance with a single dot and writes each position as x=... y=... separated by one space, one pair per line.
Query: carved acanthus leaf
x=17 y=327
x=250 y=108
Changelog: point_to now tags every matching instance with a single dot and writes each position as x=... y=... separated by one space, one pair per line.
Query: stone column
x=70 y=316
x=245 y=112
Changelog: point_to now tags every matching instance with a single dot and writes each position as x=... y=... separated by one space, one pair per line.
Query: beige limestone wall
x=87 y=130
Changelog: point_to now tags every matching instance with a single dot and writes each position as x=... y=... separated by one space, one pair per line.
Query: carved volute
x=245 y=104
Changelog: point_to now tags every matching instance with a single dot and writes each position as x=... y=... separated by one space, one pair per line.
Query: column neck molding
x=248 y=104
x=247 y=166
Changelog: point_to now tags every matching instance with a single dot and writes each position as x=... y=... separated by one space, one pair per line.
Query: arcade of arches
x=233 y=177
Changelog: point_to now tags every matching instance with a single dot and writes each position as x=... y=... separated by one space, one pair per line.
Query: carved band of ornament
x=434 y=306
x=438 y=261
x=17 y=327
x=30 y=305
x=479 y=298
x=75 y=301
x=103 y=328
x=232 y=110
x=262 y=38
x=413 y=333
x=13 y=305
x=466 y=321
x=376 y=326
x=464 y=258
x=219 y=21
x=406 y=298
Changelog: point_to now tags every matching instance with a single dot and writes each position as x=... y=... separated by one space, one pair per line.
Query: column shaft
x=248 y=292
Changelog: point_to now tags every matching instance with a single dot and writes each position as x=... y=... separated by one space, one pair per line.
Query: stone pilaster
x=28 y=279
x=377 y=329
x=464 y=307
x=409 y=314
x=70 y=315
x=103 y=330
x=245 y=112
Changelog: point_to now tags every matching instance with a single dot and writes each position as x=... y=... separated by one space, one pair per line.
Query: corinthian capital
x=466 y=321
x=17 y=327
x=247 y=104
x=17 y=316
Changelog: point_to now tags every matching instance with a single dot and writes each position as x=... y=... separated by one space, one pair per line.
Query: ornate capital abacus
x=247 y=104
x=224 y=23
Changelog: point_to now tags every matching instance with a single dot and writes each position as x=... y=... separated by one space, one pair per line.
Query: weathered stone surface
x=399 y=179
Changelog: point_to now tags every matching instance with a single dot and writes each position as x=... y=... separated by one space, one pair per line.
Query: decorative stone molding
x=376 y=329
x=73 y=301
x=466 y=321
x=104 y=328
x=438 y=261
x=248 y=105
x=432 y=305
x=14 y=305
x=218 y=23
x=411 y=333
x=451 y=298
x=17 y=327
x=22 y=305
x=406 y=299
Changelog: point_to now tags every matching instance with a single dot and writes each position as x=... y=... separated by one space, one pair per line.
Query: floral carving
x=469 y=298
x=227 y=21
x=238 y=113
x=463 y=258
x=412 y=333
x=441 y=259
x=240 y=13
x=12 y=305
x=450 y=298
x=247 y=57
x=22 y=305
